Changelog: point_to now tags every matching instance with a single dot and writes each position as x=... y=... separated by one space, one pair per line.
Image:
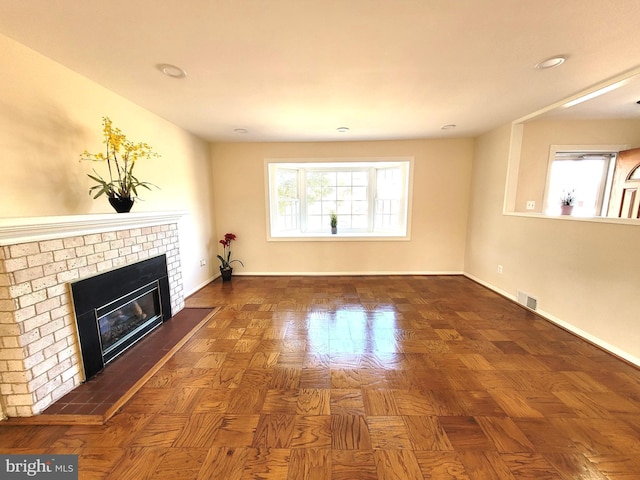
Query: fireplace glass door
x=125 y=320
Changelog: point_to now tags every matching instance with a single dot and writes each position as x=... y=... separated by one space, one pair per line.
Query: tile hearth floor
x=102 y=392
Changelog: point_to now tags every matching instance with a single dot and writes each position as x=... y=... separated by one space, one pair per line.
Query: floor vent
x=527 y=300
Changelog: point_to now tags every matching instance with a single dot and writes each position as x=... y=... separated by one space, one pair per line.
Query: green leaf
x=99 y=180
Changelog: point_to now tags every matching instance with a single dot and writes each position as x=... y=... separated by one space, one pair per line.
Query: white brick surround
x=39 y=351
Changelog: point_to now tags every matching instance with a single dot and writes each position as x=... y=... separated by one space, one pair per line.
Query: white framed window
x=586 y=172
x=369 y=197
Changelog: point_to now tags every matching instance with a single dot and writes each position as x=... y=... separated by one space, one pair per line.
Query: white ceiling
x=295 y=70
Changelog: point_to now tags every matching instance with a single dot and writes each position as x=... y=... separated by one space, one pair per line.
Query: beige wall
x=583 y=273
x=539 y=135
x=438 y=224
x=49 y=115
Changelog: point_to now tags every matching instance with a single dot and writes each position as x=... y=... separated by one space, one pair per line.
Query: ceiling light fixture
x=171 y=70
x=448 y=126
x=550 y=63
x=342 y=129
x=241 y=131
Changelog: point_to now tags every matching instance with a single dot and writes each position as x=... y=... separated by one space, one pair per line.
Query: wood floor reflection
x=352 y=378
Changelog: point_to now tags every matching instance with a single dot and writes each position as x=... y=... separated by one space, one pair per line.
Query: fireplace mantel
x=34 y=229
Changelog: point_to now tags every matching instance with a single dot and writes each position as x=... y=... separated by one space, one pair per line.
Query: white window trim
x=593 y=149
x=341 y=236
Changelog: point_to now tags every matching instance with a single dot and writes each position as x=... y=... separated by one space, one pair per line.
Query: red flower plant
x=225 y=261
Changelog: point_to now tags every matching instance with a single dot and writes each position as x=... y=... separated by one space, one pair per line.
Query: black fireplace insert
x=116 y=309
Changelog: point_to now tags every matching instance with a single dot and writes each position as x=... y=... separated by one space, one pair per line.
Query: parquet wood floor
x=347 y=378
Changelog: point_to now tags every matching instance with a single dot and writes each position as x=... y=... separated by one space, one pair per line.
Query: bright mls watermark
x=50 y=467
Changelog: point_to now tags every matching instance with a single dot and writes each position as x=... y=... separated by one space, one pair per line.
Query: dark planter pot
x=226 y=274
x=121 y=205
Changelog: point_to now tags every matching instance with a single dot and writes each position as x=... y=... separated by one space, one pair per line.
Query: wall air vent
x=527 y=300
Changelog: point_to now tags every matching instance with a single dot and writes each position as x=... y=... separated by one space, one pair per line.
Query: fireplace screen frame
x=92 y=293
x=113 y=313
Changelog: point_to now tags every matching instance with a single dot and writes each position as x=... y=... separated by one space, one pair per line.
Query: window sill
x=340 y=237
x=620 y=221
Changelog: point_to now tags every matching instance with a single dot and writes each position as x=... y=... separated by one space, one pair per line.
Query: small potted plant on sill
x=120 y=156
x=334 y=223
x=566 y=202
x=225 y=260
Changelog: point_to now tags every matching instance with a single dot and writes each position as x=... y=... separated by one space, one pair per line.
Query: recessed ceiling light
x=448 y=126
x=342 y=129
x=550 y=63
x=171 y=70
x=241 y=131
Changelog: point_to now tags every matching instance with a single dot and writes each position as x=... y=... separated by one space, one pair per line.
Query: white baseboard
x=346 y=274
x=200 y=285
x=566 y=325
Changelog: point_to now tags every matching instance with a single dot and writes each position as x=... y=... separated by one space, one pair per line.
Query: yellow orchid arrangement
x=121 y=156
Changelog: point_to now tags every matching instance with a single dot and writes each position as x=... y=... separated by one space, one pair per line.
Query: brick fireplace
x=39 y=259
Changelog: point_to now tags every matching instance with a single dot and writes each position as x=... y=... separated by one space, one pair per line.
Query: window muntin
x=388 y=208
x=369 y=197
x=288 y=205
